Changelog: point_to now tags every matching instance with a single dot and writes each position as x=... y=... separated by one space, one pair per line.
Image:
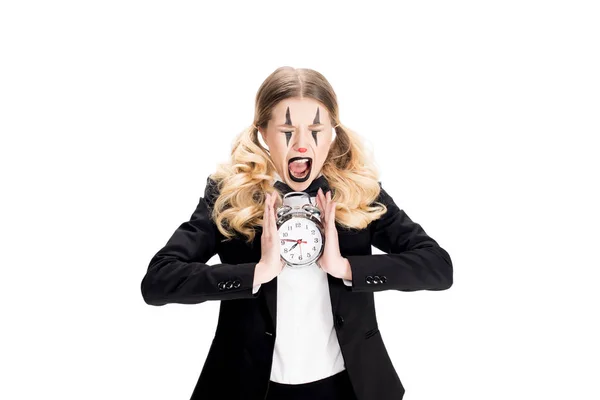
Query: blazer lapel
x=269 y=291
x=335 y=286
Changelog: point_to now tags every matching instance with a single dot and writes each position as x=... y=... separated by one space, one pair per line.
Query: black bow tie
x=312 y=189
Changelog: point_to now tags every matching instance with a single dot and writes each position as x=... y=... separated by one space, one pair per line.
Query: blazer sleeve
x=414 y=261
x=178 y=272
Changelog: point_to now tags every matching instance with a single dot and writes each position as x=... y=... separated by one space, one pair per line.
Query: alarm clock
x=300 y=230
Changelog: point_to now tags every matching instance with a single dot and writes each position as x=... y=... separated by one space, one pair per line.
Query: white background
x=484 y=119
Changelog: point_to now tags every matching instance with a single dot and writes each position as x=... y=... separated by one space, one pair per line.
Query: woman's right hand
x=271 y=263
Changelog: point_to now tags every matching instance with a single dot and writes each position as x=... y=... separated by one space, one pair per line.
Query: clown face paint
x=298 y=136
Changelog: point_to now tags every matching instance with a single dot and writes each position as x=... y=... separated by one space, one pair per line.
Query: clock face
x=301 y=241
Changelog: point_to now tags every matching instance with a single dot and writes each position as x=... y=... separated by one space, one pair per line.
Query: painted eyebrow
x=288 y=122
x=293 y=127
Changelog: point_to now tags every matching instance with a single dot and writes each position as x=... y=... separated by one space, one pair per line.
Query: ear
x=263 y=142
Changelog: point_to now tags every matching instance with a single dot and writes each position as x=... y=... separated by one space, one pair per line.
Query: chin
x=300 y=186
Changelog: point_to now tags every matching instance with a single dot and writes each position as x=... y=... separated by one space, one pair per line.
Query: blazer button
x=369 y=279
x=229 y=285
x=376 y=279
x=339 y=321
x=236 y=284
x=221 y=285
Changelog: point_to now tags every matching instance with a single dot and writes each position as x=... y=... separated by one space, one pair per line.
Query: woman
x=288 y=333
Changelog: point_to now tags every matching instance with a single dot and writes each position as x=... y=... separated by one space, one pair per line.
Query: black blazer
x=238 y=364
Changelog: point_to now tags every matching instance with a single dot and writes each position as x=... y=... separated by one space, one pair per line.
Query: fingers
x=331 y=208
x=324 y=203
x=273 y=215
x=265 y=210
x=266 y=215
x=319 y=199
x=269 y=215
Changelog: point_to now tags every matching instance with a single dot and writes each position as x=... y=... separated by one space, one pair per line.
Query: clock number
x=298 y=224
x=289 y=227
x=316 y=240
x=285 y=250
x=285 y=234
x=314 y=248
x=300 y=257
x=312 y=232
x=307 y=254
x=282 y=242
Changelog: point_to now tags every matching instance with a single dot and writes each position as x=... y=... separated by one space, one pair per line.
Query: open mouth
x=299 y=168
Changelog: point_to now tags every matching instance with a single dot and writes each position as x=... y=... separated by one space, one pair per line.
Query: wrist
x=258 y=274
x=347 y=270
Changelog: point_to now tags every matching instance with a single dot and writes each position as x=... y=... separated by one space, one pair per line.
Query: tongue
x=298 y=168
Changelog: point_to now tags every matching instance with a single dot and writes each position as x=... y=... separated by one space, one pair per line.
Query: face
x=298 y=136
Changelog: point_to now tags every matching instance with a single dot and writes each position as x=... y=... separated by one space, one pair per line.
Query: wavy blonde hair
x=243 y=181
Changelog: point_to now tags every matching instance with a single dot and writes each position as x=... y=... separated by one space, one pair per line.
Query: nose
x=301 y=144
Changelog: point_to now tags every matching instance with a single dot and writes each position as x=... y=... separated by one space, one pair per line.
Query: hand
x=331 y=261
x=271 y=263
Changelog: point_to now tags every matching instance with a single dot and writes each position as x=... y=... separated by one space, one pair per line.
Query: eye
x=290 y=132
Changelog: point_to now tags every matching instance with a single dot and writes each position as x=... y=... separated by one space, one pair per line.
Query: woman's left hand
x=331 y=261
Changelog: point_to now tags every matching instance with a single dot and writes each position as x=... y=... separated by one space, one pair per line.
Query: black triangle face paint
x=316 y=121
x=288 y=121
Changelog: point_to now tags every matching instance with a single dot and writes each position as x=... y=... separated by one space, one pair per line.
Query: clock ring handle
x=312 y=209
x=283 y=210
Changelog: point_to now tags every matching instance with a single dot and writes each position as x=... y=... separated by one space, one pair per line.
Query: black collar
x=320 y=182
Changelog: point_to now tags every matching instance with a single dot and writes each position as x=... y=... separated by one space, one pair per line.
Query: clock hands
x=295 y=240
x=296 y=244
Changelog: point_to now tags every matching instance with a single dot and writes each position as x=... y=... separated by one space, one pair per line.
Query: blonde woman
x=296 y=333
